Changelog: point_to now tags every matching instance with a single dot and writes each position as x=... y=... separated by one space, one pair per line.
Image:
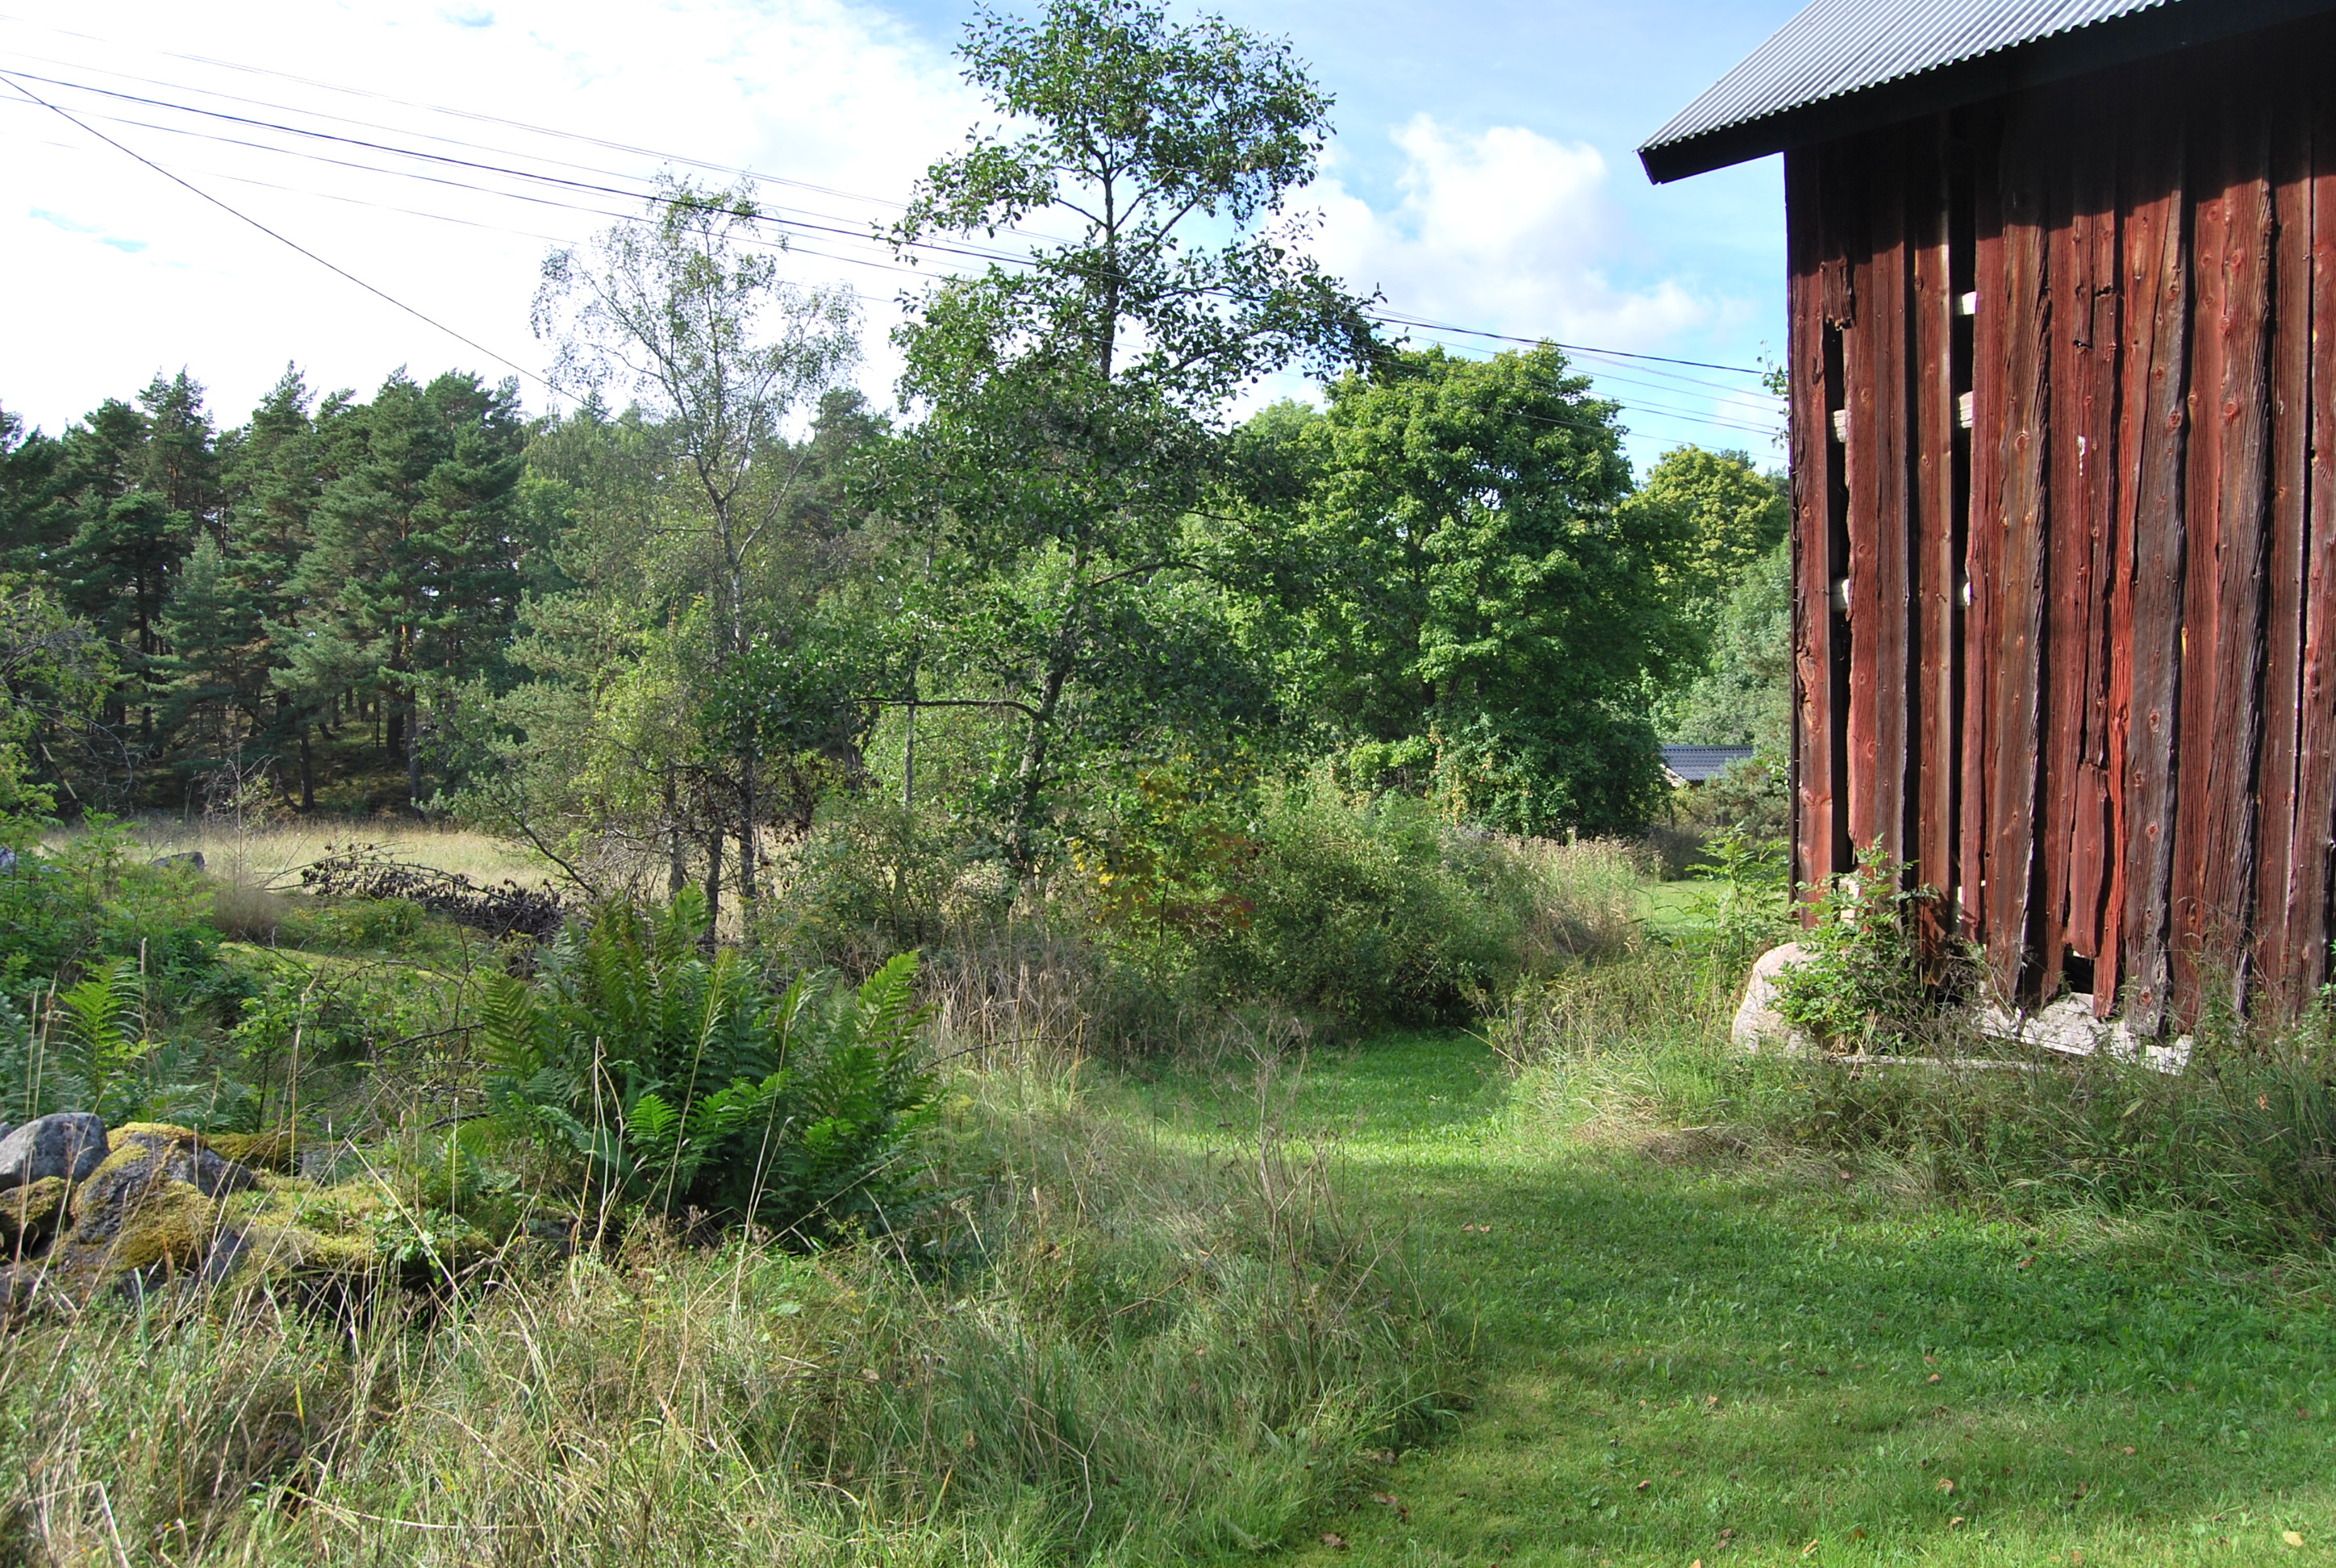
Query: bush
x=1368 y=912
x=1870 y=982
x=73 y=910
x=1378 y=910
x=872 y=880
x=679 y=1081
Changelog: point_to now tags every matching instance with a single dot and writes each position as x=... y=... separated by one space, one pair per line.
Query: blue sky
x=1483 y=175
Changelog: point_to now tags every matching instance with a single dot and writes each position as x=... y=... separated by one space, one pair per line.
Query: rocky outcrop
x=165 y=1208
x=151 y=1213
x=68 y=1145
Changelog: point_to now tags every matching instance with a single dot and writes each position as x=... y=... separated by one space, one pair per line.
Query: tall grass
x=2239 y=1152
x=1117 y=1352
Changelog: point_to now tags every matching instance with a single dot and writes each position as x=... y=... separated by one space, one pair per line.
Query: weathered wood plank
x=2221 y=621
x=1933 y=762
x=2145 y=604
x=1985 y=528
x=2103 y=472
x=2023 y=346
x=1873 y=351
x=1811 y=436
x=2083 y=209
x=2314 y=810
x=2281 y=971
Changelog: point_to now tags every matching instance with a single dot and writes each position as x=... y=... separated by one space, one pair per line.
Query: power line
x=474 y=165
x=1587 y=427
x=331 y=266
x=782 y=222
x=1390 y=318
x=1572 y=347
x=1604 y=377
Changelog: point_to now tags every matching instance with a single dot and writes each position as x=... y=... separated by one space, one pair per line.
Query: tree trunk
x=909 y=752
x=413 y=757
x=1029 y=775
x=746 y=856
x=308 y=773
x=676 y=872
x=713 y=885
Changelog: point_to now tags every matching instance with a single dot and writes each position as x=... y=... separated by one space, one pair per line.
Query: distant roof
x=1845 y=65
x=1701 y=763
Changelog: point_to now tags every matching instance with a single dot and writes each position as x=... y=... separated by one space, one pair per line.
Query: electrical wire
x=781 y=221
x=1391 y=317
x=282 y=239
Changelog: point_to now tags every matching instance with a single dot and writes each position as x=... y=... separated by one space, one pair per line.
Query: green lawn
x=1681 y=907
x=1733 y=1361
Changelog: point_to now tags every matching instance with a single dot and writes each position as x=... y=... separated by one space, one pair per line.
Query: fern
x=104 y=1034
x=677 y=1081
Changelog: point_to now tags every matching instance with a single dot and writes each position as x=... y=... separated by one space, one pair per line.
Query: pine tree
x=414 y=574
x=273 y=479
x=212 y=680
x=33 y=525
x=180 y=458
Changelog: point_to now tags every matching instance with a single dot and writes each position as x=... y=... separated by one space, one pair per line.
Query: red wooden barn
x=2062 y=283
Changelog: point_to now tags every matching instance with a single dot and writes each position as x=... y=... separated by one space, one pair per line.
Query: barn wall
x=2065 y=521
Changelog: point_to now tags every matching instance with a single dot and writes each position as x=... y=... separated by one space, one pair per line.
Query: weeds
x=2239 y=1152
x=1867 y=981
x=1113 y=1351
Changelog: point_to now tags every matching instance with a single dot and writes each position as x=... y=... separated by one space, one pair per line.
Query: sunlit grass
x=271 y=854
x=1792 y=1362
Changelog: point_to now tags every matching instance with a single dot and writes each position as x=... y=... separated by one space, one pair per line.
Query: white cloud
x=1506 y=230
x=826 y=91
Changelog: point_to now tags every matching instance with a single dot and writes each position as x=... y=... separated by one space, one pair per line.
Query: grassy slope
x=1794 y=1364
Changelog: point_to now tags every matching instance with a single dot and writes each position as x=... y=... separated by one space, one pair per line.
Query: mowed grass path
x=1734 y=1361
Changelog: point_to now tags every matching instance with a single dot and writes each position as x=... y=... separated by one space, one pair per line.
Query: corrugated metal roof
x=1698 y=764
x=1836 y=47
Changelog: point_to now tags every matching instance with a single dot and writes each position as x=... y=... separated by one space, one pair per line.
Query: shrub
x=873 y=879
x=1868 y=983
x=678 y=1081
x=1370 y=912
x=72 y=910
x=1380 y=911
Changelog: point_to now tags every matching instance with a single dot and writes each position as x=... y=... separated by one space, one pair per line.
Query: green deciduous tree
x=1730 y=512
x=689 y=314
x=1073 y=408
x=1746 y=696
x=54 y=672
x=1477 y=610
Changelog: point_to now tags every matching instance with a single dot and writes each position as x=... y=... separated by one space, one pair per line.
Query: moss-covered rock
x=146 y=1155
x=277 y=1150
x=173 y=1229
x=29 y=1215
x=168 y=1211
